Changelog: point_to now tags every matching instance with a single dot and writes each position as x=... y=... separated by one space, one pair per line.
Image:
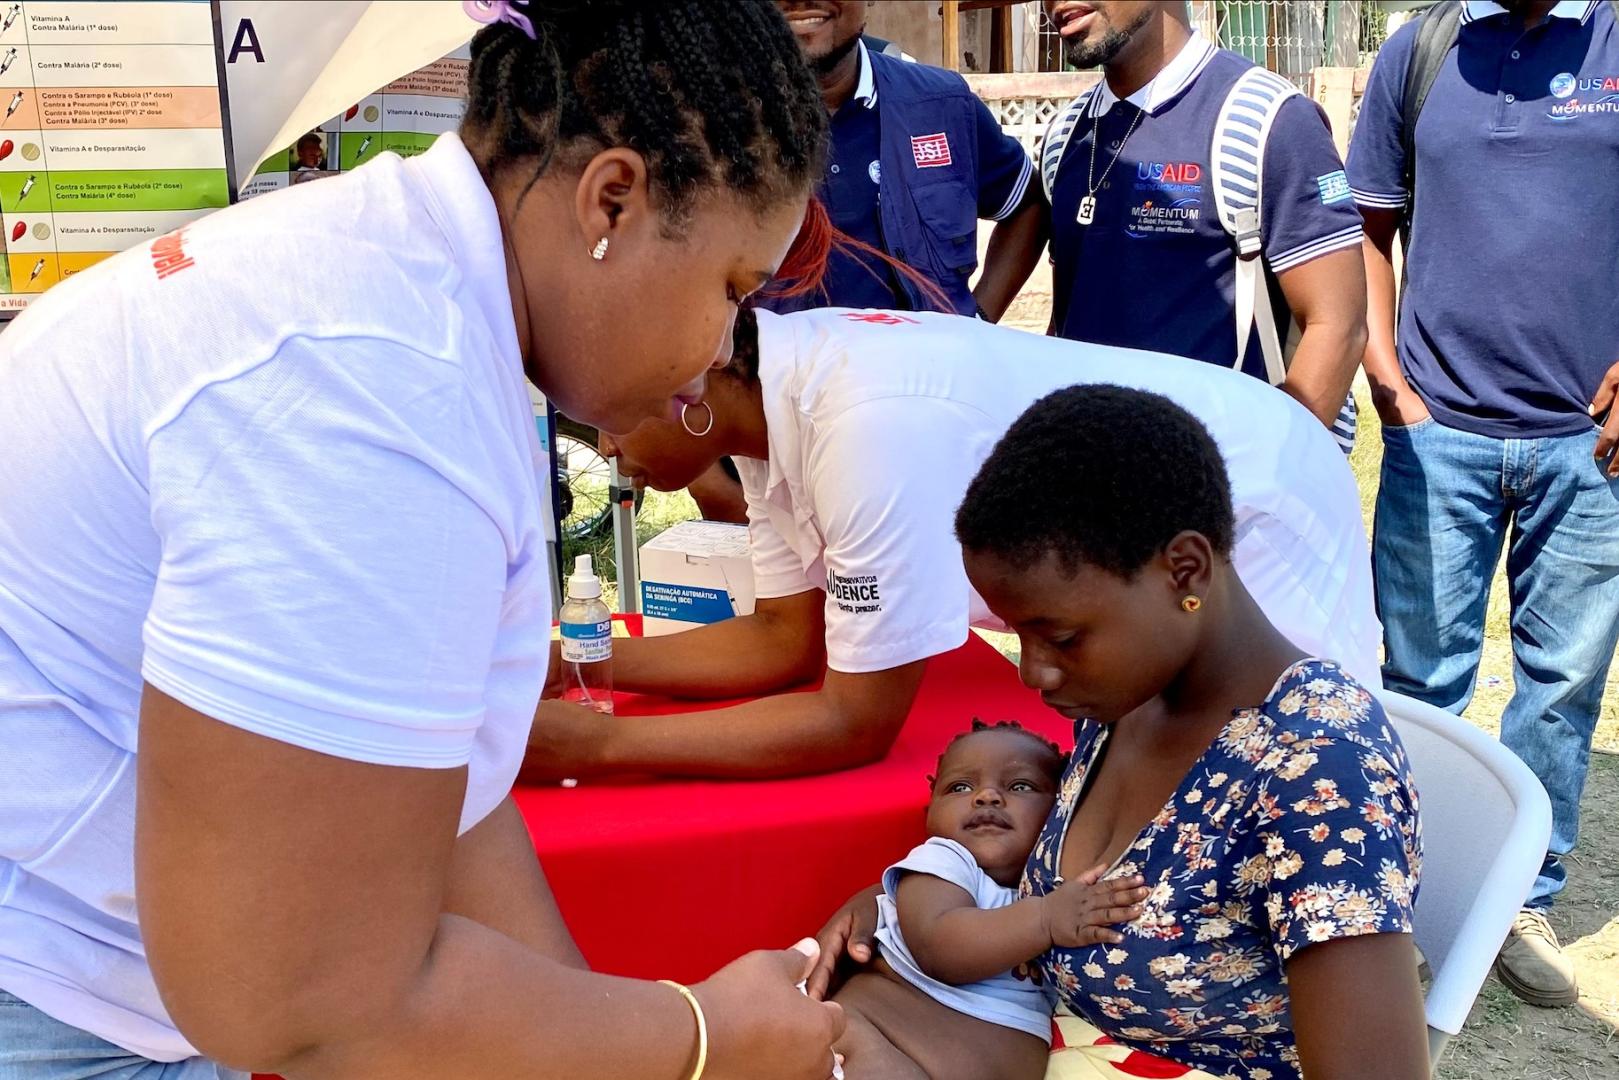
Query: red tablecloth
x=672 y=880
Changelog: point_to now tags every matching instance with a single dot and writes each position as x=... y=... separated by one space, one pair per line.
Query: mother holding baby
x=1226 y=873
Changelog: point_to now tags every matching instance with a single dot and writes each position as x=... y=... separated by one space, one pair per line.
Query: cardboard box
x=695 y=573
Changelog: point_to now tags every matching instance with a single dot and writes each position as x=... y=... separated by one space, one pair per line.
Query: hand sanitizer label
x=587 y=643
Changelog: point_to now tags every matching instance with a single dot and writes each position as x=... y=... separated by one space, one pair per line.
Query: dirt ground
x=1505 y=1039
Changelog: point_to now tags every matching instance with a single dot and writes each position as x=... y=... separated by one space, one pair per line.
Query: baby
x=951 y=994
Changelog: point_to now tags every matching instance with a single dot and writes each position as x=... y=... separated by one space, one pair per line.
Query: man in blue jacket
x=916 y=159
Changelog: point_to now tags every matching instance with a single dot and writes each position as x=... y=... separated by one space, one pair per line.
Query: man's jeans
x=35 y=1047
x=1447 y=502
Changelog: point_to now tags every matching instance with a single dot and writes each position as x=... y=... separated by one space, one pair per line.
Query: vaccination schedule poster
x=403 y=117
x=112 y=132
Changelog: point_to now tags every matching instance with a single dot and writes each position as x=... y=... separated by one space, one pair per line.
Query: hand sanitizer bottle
x=587 y=641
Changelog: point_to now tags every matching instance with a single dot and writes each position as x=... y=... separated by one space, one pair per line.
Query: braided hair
x=708 y=92
x=1055 y=767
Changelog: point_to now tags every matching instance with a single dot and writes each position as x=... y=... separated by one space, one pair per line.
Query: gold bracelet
x=702 y=1026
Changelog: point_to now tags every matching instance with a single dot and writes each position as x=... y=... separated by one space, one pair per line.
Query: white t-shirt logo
x=857 y=595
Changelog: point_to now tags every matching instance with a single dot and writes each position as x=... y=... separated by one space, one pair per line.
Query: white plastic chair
x=1486 y=822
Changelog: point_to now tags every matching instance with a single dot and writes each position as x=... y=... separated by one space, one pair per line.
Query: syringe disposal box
x=695 y=573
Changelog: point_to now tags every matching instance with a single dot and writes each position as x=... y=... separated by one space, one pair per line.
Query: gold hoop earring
x=685 y=423
x=1191 y=604
x=599 y=252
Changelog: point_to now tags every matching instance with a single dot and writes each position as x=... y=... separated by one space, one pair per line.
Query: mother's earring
x=1191 y=604
x=599 y=252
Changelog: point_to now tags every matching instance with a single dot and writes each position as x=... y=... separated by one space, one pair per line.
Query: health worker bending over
x=856 y=433
x=274 y=593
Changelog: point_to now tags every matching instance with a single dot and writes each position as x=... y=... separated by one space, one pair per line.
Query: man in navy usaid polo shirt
x=1153 y=268
x=916 y=159
x=1507 y=344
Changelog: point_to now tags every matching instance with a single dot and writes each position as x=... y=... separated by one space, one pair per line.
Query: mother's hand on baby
x=1084 y=911
x=847 y=938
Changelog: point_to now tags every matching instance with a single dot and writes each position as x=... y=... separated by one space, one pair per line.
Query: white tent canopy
x=292 y=64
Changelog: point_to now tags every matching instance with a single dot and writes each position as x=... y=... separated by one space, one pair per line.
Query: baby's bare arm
x=955 y=941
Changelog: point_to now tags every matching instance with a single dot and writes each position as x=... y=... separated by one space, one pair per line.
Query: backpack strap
x=1237 y=173
x=1058 y=133
x=1436 y=36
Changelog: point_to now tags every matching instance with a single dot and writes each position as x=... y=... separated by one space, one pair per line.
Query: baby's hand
x=1083 y=911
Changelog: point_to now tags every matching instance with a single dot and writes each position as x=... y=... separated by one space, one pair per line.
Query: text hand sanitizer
x=587 y=641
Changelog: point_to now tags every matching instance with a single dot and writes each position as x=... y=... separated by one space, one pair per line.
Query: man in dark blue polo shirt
x=916 y=159
x=1508 y=331
x=1139 y=255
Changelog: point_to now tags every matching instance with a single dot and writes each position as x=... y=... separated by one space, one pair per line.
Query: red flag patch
x=930 y=151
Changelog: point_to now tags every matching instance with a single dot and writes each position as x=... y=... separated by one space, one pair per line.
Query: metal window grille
x=1374 y=31
x=1291 y=37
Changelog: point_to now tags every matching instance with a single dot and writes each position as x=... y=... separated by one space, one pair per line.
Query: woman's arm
x=851 y=720
x=1351 y=969
x=1357 y=1009
x=495 y=880
x=293 y=908
x=779 y=645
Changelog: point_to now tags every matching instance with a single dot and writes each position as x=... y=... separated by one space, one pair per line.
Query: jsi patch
x=930 y=151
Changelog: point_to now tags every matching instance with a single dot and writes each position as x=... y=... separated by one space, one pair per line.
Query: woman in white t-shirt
x=278 y=523
x=856 y=434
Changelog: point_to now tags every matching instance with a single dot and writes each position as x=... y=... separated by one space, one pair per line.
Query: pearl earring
x=599 y=252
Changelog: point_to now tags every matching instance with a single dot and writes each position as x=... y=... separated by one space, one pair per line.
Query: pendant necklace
x=1087 y=205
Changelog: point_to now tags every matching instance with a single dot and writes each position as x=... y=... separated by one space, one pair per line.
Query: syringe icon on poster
x=27 y=186
x=16 y=102
x=365 y=144
x=39 y=268
x=11 y=17
x=8 y=60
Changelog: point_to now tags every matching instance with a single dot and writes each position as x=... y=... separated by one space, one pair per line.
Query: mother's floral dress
x=1298 y=825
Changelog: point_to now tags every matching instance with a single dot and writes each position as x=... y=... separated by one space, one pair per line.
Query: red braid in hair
x=804 y=268
x=803 y=271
